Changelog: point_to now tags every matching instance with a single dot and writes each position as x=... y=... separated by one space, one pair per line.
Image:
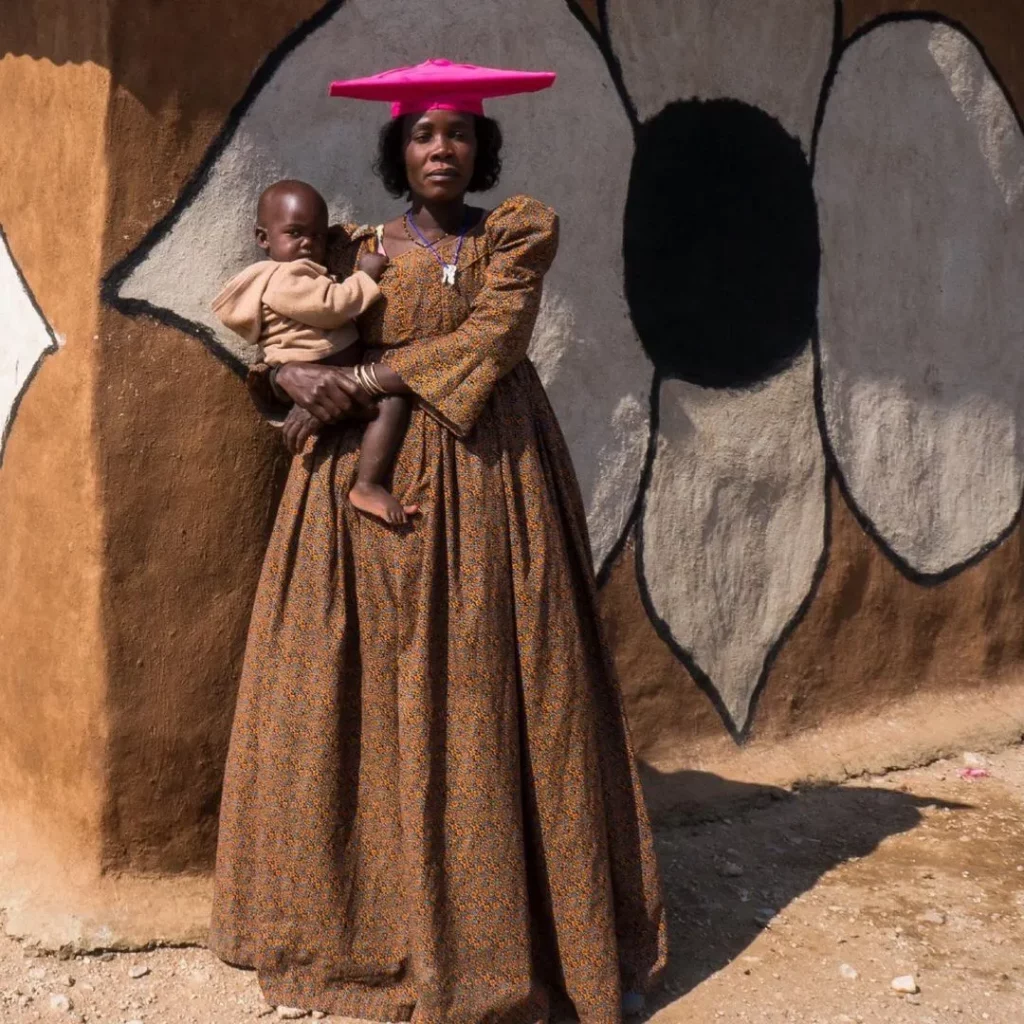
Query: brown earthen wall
x=53 y=197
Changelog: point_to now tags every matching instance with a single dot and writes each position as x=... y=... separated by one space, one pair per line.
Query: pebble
x=36 y=973
x=932 y=917
x=264 y=1011
x=319 y=1015
x=905 y=984
x=764 y=917
x=138 y=972
x=290 y=1012
x=973 y=760
x=60 y=1002
x=849 y=972
x=67 y=980
x=730 y=869
x=105 y=958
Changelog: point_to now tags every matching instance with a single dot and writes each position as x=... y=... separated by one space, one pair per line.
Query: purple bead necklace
x=448 y=270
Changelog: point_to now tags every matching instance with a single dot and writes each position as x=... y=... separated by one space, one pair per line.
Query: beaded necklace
x=448 y=270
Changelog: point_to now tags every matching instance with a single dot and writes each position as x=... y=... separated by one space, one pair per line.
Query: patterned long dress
x=431 y=810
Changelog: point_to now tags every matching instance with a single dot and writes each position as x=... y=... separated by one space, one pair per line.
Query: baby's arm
x=298 y=291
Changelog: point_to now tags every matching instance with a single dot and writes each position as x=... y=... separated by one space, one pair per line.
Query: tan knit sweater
x=295 y=312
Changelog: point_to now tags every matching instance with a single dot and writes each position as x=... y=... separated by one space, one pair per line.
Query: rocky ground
x=801 y=907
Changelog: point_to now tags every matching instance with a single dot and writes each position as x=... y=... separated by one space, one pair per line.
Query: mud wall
x=53 y=197
x=781 y=335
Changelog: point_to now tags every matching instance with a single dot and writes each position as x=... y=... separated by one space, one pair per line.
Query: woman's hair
x=390 y=163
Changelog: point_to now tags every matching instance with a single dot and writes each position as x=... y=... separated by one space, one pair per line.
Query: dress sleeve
x=302 y=292
x=454 y=374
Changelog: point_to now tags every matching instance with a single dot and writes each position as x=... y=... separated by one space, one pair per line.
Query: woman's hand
x=298 y=427
x=330 y=393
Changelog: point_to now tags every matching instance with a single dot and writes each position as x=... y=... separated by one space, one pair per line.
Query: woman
x=431 y=811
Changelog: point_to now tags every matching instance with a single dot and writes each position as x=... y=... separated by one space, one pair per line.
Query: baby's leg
x=380 y=444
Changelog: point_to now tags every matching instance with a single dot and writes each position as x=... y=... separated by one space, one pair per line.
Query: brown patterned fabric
x=431 y=810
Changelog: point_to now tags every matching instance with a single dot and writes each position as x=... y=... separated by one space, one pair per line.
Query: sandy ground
x=802 y=907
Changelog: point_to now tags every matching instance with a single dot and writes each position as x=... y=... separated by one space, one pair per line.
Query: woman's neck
x=448 y=216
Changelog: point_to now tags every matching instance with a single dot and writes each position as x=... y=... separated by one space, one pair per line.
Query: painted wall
x=782 y=338
x=53 y=187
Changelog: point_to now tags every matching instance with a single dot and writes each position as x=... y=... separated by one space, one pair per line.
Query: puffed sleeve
x=454 y=374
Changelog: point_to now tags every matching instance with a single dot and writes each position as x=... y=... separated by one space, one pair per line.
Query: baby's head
x=291 y=222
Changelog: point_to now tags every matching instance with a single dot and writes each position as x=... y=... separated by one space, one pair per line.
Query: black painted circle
x=720 y=244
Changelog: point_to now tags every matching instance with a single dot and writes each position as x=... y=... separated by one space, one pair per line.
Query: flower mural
x=785 y=258
x=25 y=337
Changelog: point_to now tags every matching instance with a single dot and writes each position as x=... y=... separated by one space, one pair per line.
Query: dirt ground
x=798 y=907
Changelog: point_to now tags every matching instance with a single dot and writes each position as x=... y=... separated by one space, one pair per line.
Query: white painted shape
x=772 y=54
x=24 y=337
x=734 y=522
x=570 y=147
x=922 y=302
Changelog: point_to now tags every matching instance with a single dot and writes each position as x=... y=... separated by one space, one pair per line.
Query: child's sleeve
x=301 y=291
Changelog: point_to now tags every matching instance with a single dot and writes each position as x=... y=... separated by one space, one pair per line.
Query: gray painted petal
x=920 y=183
x=772 y=54
x=734 y=524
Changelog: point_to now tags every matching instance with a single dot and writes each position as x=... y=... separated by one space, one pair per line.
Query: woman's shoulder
x=519 y=215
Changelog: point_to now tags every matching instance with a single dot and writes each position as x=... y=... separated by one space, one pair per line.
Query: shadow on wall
x=782 y=841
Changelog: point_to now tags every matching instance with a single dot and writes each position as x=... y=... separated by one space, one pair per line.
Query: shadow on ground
x=734 y=854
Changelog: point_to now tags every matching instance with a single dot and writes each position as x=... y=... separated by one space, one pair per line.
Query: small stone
x=730 y=869
x=138 y=972
x=290 y=1012
x=264 y=1011
x=67 y=980
x=764 y=917
x=105 y=958
x=932 y=917
x=849 y=972
x=36 y=973
x=60 y=1002
x=319 y=1015
x=905 y=985
x=973 y=760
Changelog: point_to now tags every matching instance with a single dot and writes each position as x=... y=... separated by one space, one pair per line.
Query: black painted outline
x=863 y=519
x=50 y=349
x=739 y=733
x=119 y=273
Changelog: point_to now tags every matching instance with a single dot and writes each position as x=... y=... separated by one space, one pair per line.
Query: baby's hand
x=298 y=426
x=373 y=263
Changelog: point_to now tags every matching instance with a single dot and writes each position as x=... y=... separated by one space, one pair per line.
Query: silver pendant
x=448 y=273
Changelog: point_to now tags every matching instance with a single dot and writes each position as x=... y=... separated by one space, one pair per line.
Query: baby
x=296 y=312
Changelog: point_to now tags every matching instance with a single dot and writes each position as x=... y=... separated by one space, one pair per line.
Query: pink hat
x=441 y=85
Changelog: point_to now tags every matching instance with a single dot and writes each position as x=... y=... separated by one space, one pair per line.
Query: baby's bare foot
x=374 y=500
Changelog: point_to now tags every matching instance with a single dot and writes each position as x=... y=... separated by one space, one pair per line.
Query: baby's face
x=294 y=228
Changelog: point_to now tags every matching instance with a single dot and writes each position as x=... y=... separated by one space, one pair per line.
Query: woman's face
x=440 y=154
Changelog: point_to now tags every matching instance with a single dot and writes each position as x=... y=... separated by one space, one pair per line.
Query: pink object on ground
x=441 y=85
x=973 y=773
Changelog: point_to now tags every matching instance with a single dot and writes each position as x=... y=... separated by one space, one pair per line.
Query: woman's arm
x=330 y=393
x=454 y=374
